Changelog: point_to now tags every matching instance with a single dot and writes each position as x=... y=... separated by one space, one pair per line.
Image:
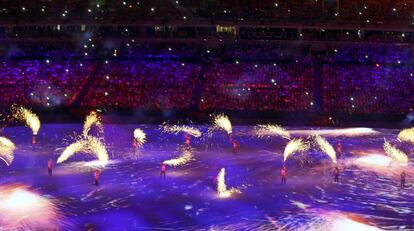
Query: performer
x=336 y=174
x=50 y=167
x=97 y=175
x=283 y=175
x=187 y=139
x=235 y=145
x=136 y=145
x=403 y=179
x=339 y=150
x=163 y=170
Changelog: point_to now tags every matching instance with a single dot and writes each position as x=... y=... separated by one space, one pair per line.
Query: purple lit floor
x=133 y=197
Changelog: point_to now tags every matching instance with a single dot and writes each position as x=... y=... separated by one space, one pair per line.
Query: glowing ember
x=221 y=121
x=407 y=135
x=184 y=158
x=222 y=191
x=396 y=154
x=91 y=120
x=87 y=145
x=271 y=130
x=182 y=128
x=326 y=147
x=28 y=117
x=294 y=145
x=23 y=209
x=140 y=137
x=6 y=150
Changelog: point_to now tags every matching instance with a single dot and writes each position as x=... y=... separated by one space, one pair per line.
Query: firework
x=326 y=147
x=222 y=191
x=294 y=145
x=6 y=150
x=271 y=130
x=24 y=209
x=140 y=137
x=395 y=153
x=89 y=144
x=91 y=120
x=221 y=121
x=182 y=128
x=184 y=158
x=28 y=117
x=407 y=135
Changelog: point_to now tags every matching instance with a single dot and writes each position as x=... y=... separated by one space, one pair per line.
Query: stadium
x=207 y=115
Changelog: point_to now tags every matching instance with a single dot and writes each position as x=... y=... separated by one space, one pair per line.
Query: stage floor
x=133 y=197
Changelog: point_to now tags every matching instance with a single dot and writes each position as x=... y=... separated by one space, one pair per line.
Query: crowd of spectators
x=60 y=82
x=361 y=88
x=153 y=84
x=157 y=54
x=247 y=86
x=15 y=80
x=42 y=82
x=356 y=78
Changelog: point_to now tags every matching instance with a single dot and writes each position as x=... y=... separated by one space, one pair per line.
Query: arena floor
x=132 y=196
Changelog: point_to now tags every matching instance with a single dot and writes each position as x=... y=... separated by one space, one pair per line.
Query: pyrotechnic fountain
x=407 y=135
x=184 y=158
x=222 y=191
x=222 y=121
x=396 y=154
x=29 y=118
x=91 y=145
x=294 y=145
x=92 y=120
x=139 y=137
x=182 y=128
x=326 y=147
x=271 y=130
x=345 y=132
x=88 y=143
